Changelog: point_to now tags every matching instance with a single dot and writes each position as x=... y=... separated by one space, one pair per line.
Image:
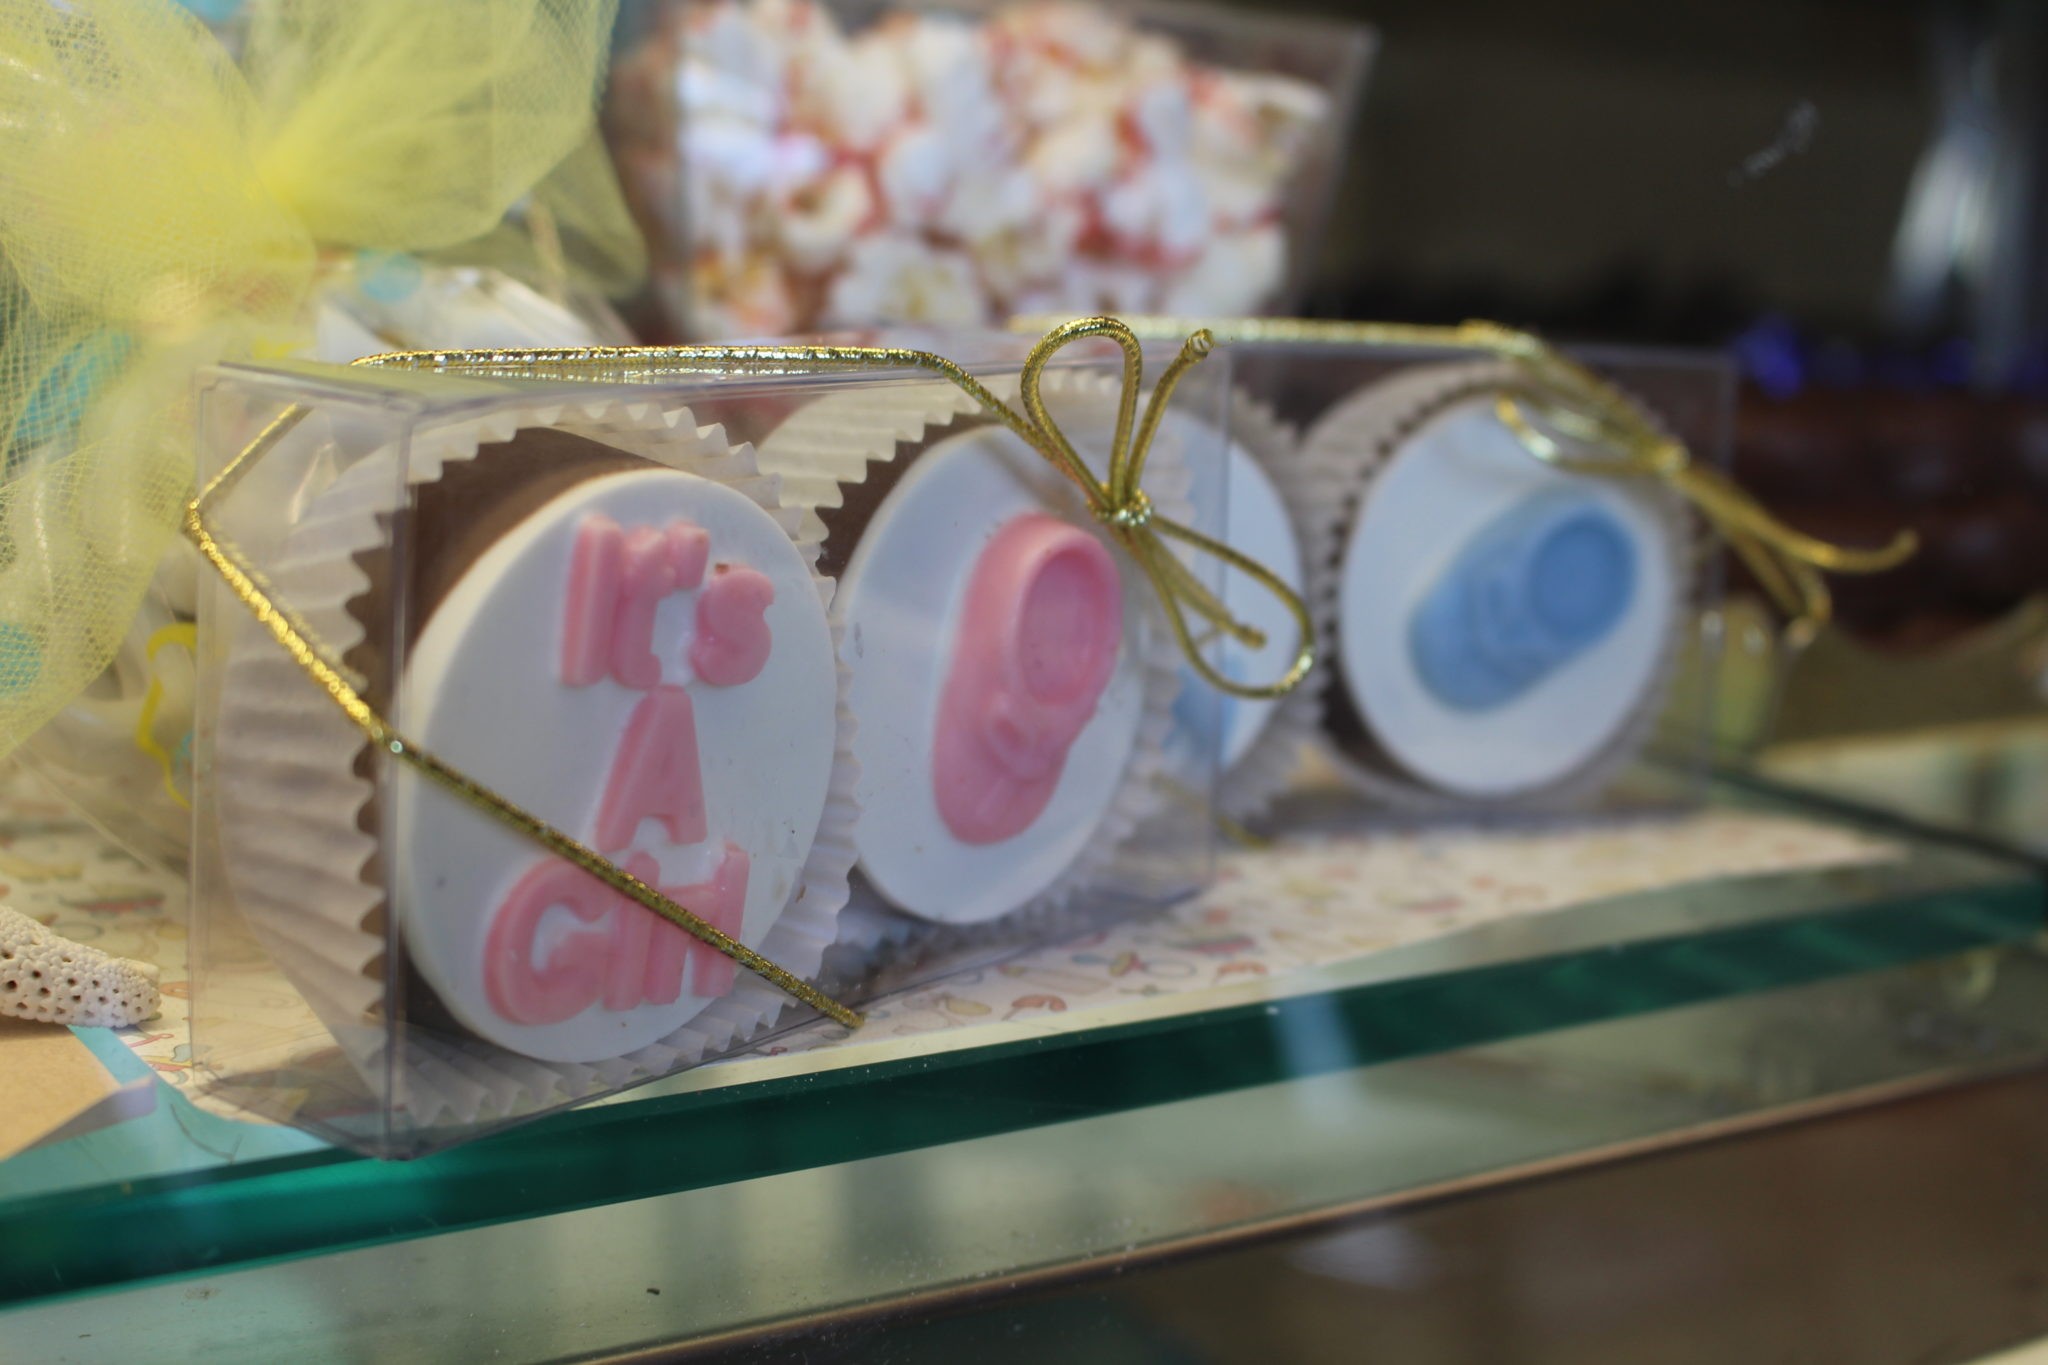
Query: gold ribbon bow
x=1557 y=394
x=1119 y=503
x=1118 y=500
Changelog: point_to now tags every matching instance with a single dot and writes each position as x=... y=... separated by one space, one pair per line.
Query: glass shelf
x=819 y=1262
x=1988 y=781
x=184 y=1192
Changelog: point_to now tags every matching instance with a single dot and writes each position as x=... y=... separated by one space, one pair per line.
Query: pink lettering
x=637 y=958
x=634 y=929
x=616 y=579
x=720 y=901
x=689 y=553
x=655 y=775
x=732 y=642
x=574 y=972
x=595 y=563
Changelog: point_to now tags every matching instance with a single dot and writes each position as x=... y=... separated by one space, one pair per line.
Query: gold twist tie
x=1116 y=500
x=1558 y=395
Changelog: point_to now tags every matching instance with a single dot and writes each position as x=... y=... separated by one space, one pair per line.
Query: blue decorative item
x=20 y=659
x=387 y=276
x=1535 y=588
x=62 y=395
x=214 y=13
x=1773 y=356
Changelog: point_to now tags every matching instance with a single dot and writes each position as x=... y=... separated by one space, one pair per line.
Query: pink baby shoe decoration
x=1039 y=634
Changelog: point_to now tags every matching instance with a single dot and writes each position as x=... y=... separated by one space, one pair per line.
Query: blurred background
x=1683 y=173
x=1847 y=195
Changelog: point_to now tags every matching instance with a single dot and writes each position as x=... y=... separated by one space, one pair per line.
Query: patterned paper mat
x=1309 y=901
x=1314 y=900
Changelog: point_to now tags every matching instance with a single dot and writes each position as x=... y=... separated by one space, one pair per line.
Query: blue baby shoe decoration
x=1535 y=588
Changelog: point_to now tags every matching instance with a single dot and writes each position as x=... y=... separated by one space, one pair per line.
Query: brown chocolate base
x=859 y=502
x=448 y=527
x=1346 y=727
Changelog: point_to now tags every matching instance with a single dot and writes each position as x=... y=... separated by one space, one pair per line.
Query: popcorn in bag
x=948 y=168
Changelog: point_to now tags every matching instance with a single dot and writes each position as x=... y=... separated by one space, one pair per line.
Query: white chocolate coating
x=487 y=666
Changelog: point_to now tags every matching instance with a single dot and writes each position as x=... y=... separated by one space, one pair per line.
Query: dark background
x=1608 y=165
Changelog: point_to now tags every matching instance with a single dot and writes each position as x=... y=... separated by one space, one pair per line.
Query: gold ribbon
x=1557 y=394
x=1117 y=500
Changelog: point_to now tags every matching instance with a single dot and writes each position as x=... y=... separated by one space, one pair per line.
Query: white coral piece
x=52 y=980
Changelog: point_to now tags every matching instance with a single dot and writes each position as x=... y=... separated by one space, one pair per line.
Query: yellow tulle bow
x=163 y=207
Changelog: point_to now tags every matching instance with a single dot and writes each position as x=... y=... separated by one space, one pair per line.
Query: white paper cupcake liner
x=1348 y=448
x=831 y=443
x=304 y=873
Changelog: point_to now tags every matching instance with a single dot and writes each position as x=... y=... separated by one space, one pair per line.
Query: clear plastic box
x=771 y=640
x=798 y=164
x=1501 y=636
